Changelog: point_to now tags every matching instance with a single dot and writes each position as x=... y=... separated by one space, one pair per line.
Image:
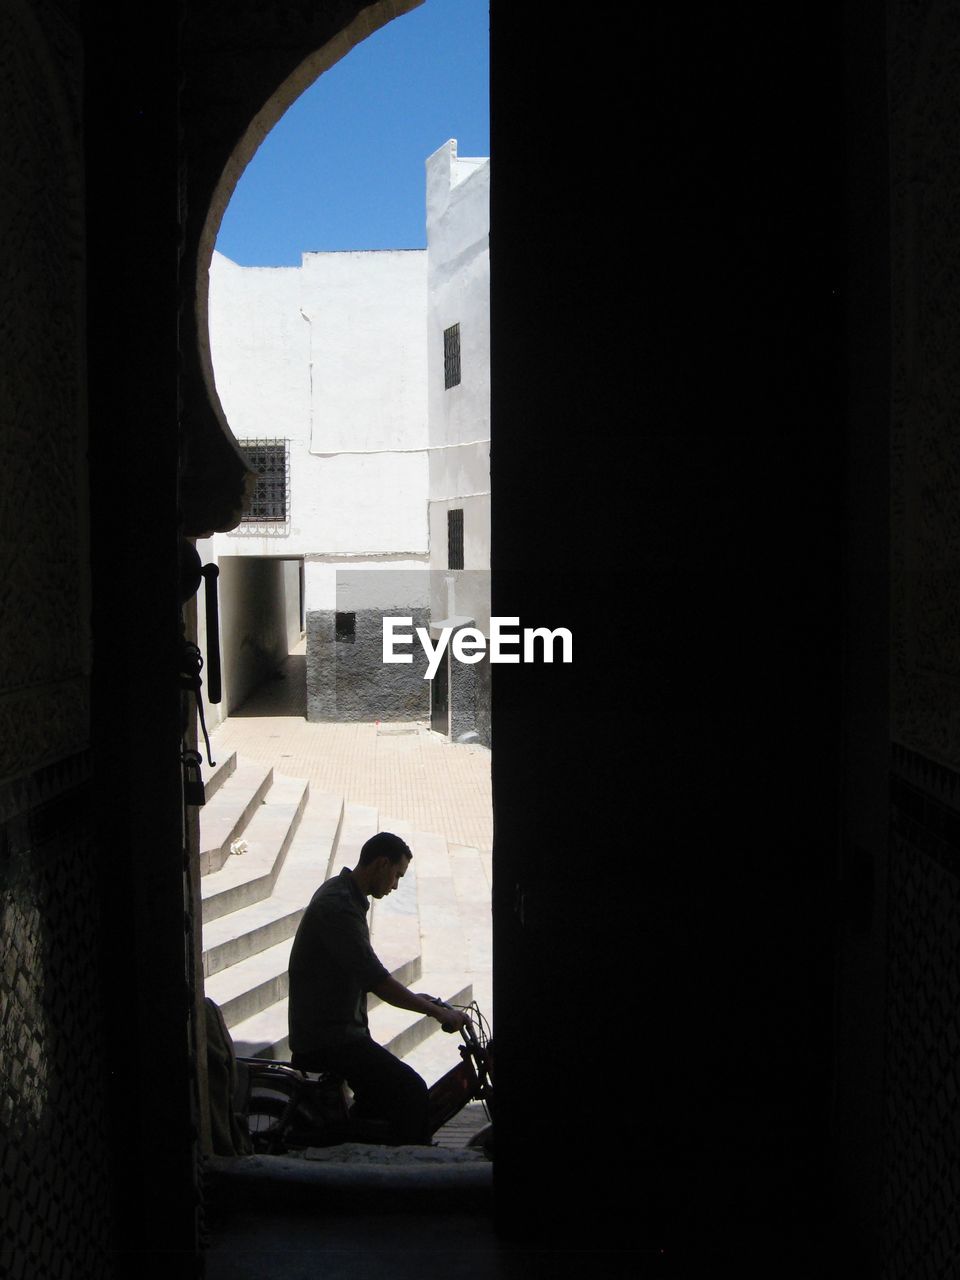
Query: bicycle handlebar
x=448 y=1026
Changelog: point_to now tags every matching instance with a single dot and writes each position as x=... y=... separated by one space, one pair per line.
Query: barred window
x=451 y=357
x=270 y=459
x=455 y=538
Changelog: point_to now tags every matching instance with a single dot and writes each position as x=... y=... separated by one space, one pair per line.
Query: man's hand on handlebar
x=450 y=1019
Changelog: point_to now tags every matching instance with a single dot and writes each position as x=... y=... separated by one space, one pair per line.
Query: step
x=399 y=826
x=405 y=970
x=220 y=771
x=437 y=1054
x=395 y=919
x=264 y=1034
x=225 y=815
x=423 y=1186
x=238 y=934
x=248 y=986
x=469 y=874
x=359 y=824
x=431 y=853
x=395 y=931
x=402 y=1030
x=250 y=876
x=442 y=941
x=472 y=891
x=247 y=933
x=252 y=985
x=486 y=859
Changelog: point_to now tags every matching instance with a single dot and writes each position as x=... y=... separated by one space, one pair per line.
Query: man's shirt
x=332 y=967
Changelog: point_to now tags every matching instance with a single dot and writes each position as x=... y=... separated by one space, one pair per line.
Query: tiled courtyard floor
x=402 y=769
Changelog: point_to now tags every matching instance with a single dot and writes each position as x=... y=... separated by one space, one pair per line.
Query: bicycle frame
x=470 y=1080
x=286 y=1108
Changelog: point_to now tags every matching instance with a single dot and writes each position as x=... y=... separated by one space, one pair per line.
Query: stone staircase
x=266 y=843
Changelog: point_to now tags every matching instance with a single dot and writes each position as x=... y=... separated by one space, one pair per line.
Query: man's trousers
x=383 y=1086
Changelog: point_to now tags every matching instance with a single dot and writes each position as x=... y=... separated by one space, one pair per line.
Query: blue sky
x=343 y=168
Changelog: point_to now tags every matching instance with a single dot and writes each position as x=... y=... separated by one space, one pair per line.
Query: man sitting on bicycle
x=332 y=967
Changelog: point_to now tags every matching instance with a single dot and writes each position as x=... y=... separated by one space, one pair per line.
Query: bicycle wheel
x=266 y=1112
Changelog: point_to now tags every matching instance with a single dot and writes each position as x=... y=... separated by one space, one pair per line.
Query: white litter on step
x=238 y=846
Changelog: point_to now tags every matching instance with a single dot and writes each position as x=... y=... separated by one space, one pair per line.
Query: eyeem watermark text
x=470 y=644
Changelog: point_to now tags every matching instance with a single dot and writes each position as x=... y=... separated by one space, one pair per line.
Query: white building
x=358 y=385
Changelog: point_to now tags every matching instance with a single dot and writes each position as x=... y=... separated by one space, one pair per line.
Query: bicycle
x=288 y=1109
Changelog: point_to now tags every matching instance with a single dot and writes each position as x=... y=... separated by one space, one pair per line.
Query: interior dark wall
x=97 y=1054
x=920 y=1204
x=861 y=962
x=668 y=409
x=135 y=213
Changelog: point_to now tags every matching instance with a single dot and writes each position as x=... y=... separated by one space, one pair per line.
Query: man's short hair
x=384 y=845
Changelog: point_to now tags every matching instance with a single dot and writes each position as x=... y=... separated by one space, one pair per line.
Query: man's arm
x=395 y=993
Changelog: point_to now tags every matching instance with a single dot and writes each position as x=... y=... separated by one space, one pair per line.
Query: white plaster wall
x=369 y=584
x=347 y=503
x=458 y=292
x=291 y=599
x=332 y=356
x=458 y=597
x=260 y=347
x=367 y=349
x=476 y=531
x=369 y=503
x=343 y=356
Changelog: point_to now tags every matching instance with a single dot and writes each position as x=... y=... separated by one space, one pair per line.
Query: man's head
x=383 y=861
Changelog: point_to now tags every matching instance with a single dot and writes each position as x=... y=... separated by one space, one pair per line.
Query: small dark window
x=455 y=538
x=270 y=460
x=451 y=357
x=345 y=627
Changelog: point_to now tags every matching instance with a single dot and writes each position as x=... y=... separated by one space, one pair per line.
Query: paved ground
x=403 y=769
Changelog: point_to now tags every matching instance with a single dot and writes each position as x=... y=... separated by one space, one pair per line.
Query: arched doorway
x=310 y=448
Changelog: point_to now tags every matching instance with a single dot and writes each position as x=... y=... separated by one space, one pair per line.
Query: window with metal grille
x=270 y=459
x=455 y=538
x=451 y=357
x=345 y=627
